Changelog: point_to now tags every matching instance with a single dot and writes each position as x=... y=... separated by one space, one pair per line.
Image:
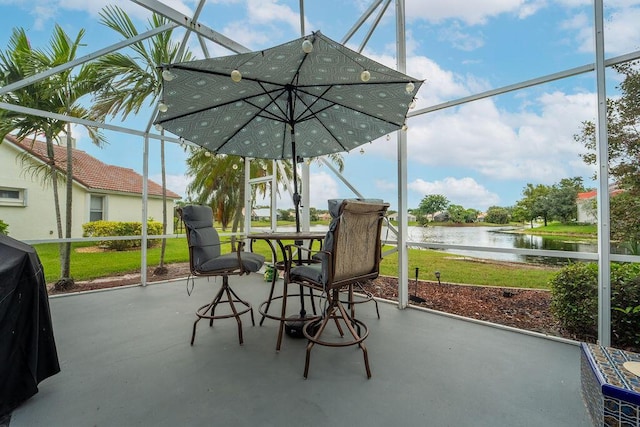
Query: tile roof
x=593 y=193
x=91 y=172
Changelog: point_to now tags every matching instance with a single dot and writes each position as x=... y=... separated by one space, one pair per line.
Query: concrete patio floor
x=126 y=361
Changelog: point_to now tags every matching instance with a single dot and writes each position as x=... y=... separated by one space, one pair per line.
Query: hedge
x=120 y=228
x=574 y=302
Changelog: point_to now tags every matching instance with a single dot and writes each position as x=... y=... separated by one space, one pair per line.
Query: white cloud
x=621 y=30
x=175 y=183
x=470 y=12
x=270 y=12
x=463 y=191
x=323 y=187
x=503 y=145
x=532 y=142
x=93 y=7
x=266 y=23
x=460 y=39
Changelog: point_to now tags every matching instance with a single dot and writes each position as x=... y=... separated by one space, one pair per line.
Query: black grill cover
x=27 y=348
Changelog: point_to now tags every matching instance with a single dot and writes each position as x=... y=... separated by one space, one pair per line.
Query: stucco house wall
x=31 y=215
x=586 y=204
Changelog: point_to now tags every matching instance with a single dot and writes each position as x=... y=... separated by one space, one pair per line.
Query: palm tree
x=218 y=181
x=61 y=93
x=135 y=81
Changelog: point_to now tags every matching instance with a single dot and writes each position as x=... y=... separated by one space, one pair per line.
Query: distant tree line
x=555 y=202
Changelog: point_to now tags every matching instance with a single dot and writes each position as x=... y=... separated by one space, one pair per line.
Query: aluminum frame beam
x=51 y=71
x=192 y=25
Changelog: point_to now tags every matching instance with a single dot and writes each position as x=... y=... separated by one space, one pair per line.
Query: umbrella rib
x=313 y=113
x=201 y=110
x=261 y=110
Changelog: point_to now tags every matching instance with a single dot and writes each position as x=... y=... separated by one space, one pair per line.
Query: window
x=13 y=196
x=96 y=208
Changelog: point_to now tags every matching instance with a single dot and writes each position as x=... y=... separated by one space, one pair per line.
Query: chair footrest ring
x=202 y=311
x=312 y=327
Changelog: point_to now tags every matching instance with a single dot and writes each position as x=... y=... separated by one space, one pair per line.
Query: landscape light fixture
x=438 y=276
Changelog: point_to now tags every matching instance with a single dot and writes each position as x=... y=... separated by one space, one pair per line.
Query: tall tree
x=562 y=199
x=218 y=181
x=497 y=215
x=135 y=80
x=623 y=122
x=535 y=203
x=457 y=214
x=63 y=93
x=432 y=203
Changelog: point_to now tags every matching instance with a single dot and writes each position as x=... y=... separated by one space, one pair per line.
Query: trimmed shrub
x=121 y=228
x=4 y=228
x=574 y=302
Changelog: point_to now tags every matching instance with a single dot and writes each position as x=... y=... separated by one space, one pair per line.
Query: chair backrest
x=203 y=239
x=354 y=240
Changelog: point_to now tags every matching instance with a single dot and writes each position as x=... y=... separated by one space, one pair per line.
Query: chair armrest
x=239 y=249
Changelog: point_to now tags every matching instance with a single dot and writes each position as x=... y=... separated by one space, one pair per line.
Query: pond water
x=504 y=237
x=494 y=237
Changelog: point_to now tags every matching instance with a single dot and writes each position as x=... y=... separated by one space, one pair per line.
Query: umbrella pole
x=294 y=327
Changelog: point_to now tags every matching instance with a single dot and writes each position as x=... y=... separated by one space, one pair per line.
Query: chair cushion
x=250 y=262
x=197 y=216
x=312 y=272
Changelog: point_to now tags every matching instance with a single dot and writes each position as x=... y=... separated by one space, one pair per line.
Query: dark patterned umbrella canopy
x=306 y=98
x=287 y=103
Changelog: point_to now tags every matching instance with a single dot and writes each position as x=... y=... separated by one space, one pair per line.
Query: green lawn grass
x=455 y=269
x=565 y=229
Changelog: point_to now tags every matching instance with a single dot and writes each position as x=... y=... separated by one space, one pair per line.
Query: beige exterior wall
x=33 y=217
x=586 y=211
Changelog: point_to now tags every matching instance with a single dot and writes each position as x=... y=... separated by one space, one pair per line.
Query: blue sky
x=477 y=155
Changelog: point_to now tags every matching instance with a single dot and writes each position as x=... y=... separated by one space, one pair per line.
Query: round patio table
x=277 y=242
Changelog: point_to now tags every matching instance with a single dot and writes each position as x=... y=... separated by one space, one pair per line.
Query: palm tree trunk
x=56 y=198
x=237 y=217
x=65 y=261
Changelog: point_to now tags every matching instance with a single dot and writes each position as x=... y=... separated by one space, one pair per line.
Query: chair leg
x=246 y=304
x=235 y=314
x=366 y=359
x=337 y=312
x=312 y=342
x=283 y=315
x=208 y=310
x=351 y=302
x=193 y=334
x=214 y=304
x=273 y=287
x=205 y=308
x=350 y=322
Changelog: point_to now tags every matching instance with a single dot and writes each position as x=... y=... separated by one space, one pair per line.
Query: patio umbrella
x=306 y=98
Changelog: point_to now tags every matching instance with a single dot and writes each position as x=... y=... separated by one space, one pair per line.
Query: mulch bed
x=520 y=308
